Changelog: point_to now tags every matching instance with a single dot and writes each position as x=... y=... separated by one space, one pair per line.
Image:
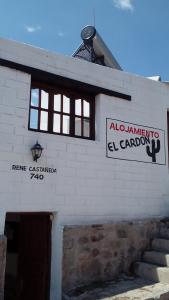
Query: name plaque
x=35 y=172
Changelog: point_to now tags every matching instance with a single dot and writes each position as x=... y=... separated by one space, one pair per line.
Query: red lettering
x=143 y=132
x=156 y=134
x=112 y=126
x=117 y=127
x=122 y=127
x=130 y=129
x=137 y=131
x=147 y=133
x=134 y=130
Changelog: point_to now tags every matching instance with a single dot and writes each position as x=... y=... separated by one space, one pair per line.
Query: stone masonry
x=3 y=244
x=99 y=253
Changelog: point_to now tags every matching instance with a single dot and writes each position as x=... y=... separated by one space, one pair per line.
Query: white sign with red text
x=128 y=141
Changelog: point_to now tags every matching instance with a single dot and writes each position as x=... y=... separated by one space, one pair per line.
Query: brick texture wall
x=88 y=187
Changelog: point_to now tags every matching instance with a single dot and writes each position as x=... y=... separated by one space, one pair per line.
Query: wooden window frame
x=72 y=95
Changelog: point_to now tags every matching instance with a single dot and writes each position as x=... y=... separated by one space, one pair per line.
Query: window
x=61 y=112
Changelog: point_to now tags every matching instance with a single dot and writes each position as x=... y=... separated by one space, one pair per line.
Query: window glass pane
x=78 y=108
x=85 y=108
x=86 y=128
x=78 y=130
x=66 y=124
x=34 y=119
x=35 y=97
x=44 y=120
x=57 y=102
x=56 y=123
x=44 y=99
x=66 y=104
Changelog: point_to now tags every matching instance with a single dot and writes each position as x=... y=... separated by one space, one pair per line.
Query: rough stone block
x=102 y=252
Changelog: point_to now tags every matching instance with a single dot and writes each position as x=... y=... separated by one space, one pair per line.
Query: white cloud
x=60 y=34
x=124 y=4
x=32 y=29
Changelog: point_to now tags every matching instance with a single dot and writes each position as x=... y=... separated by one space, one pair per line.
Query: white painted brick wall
x=88 y=187
x=91 y=185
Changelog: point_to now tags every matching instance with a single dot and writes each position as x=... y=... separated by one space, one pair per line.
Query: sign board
x=128 y=141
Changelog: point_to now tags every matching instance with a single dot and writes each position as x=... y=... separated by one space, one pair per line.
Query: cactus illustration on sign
x=154 y=149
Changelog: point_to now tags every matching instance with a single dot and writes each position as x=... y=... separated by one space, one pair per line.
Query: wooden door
x=34 y=257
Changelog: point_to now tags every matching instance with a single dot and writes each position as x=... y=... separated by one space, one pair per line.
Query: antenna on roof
x=94 y=17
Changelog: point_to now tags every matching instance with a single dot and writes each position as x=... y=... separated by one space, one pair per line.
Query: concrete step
x=152 y=272
x=160 y=245
x=157 y=258
x=164 y=233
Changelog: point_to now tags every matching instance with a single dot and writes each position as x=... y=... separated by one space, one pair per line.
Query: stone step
x=149 y=292
x=152 y=272
x=158 y=258
x=164 y=233
x=160 y=245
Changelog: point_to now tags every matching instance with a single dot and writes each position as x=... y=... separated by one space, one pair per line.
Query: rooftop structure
x=94 y=49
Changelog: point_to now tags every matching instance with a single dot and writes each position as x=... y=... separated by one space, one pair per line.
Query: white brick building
x=93 y=182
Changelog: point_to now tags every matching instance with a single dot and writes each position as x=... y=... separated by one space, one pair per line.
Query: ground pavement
x=128 y=288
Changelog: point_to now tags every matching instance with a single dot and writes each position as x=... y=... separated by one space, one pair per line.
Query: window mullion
x=82 y=116
x=92 y=119
x=61 y=115
x=50 y=112
x=72 y=117
x=39 y=109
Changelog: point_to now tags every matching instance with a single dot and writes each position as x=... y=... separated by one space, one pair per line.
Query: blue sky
x=136 y=31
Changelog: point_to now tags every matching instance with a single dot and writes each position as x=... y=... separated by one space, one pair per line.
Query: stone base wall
x=101 y=252
x=3 y=245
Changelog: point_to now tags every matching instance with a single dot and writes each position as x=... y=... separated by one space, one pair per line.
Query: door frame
x=39 y=213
